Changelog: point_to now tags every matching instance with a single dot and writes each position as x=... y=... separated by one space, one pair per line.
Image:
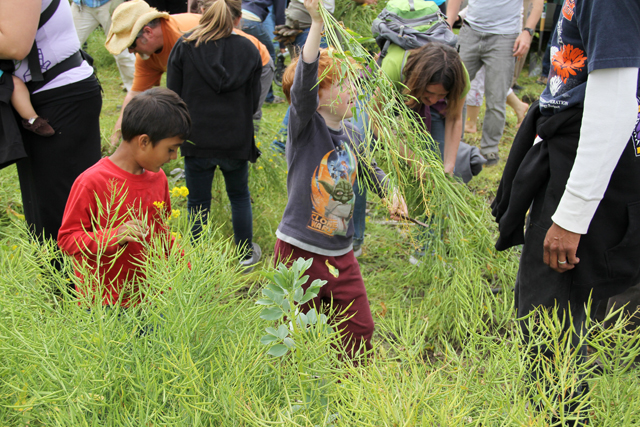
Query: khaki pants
x=86 y=19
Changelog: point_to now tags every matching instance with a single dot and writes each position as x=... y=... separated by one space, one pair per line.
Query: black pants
x=53 y=163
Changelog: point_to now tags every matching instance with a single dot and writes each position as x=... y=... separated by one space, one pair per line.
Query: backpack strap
x=412 y=6
x=383 y=52
x=32 y=58
x=73 y=61
x=404 y=61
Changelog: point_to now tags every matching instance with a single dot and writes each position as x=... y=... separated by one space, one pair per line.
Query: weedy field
x=209 y=345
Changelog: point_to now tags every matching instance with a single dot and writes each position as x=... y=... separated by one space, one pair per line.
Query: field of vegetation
x=210 y=345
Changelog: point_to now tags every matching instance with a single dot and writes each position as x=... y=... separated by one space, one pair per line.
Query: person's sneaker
x=250 y=263
x=39 y=126
x=492 y=159
x=357 y=250
x=276 y=100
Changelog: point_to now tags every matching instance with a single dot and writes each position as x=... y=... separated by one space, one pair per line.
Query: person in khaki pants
x=87 y=15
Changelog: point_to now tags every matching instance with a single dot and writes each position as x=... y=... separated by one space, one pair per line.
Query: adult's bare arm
x=523 y=42
x=18 y=25
x=117 y=133
x=453 y=7
x=452 y=136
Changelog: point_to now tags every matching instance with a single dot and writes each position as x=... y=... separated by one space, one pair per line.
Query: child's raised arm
x=312 y=45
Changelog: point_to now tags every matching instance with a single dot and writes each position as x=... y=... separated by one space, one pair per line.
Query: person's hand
x=397 y=206
x=448 y=169
x=116 y=137
x=522 y=44
x=132 y=231
x=313 y=7
x=560 y=247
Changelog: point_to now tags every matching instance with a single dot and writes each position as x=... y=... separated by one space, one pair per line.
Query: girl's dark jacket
x=220 y=82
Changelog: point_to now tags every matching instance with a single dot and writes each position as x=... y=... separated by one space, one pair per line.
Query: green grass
x=446 y=349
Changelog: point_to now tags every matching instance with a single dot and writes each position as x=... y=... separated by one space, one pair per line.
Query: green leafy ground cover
x=446 y=349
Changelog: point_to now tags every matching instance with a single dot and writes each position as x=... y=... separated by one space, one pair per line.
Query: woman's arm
x=452 y=135
x=18 y=25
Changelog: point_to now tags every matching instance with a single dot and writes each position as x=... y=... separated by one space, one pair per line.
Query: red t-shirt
x=103 y=198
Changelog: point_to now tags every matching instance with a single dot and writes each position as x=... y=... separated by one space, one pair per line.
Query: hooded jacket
x=220 y=82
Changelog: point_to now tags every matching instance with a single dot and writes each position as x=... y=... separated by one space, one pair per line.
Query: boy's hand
x=313 y=7
x=132 y=231
x=397 y=206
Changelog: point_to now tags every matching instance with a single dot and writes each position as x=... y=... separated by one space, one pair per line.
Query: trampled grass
x=446 y=349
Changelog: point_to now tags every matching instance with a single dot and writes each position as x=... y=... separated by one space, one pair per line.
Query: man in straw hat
x=150 y=34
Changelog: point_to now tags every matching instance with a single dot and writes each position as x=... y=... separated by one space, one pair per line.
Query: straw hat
x=127 y=21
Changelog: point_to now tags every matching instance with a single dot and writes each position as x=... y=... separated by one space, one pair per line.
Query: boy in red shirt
x=117 y=206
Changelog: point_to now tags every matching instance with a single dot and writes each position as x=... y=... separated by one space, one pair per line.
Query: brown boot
x=39 y=126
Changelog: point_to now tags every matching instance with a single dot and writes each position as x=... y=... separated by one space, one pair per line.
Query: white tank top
x=57 y=40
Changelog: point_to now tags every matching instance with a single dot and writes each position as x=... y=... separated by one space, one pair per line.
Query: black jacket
x=220 y=82
x=536 y=176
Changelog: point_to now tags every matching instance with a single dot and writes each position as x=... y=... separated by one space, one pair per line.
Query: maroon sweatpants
x=347 y=288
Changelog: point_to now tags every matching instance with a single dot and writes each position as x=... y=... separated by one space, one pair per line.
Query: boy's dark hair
x=159 y=113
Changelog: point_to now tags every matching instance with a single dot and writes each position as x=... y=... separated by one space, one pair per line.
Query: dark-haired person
x=436 y=81
x=120 y=204
x=217 y=72
x=68 y=96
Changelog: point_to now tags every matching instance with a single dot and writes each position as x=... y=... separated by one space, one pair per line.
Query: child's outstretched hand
x=132 y=231
x=313 y=7
x=397 y=206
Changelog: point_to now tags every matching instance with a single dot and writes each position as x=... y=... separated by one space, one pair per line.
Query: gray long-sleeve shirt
x=322 y=170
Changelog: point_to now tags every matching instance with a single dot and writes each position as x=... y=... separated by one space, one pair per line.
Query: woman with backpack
x=437 y=84
x=217 y=73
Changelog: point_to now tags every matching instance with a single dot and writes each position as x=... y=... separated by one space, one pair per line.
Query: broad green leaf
x=297 y=295
x=268 y=339
x=282 y=332
x=272 y=331
x=289 y=343
x=264 y=301
x=278 y=350
x=273 y=313
x=275 y=288
x=302 y=280
x=312 y=316
x=302 y=320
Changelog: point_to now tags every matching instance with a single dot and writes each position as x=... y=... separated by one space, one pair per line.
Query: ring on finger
x=562 y=262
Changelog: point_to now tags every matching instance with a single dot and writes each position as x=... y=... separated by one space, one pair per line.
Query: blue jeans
x=259 y=31
x=199 y=174
x=437 y=130
x=360 y=205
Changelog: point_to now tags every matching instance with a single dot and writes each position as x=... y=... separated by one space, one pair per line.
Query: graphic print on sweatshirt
x=332 y=197
x=569 y=70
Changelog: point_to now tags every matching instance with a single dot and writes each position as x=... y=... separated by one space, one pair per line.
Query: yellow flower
x=14 y=247
x=260 y=167
x=176 y=236
x=179 y=191
x=175 y=213
x=159 y=204
x=271 y=160
x=258 y=145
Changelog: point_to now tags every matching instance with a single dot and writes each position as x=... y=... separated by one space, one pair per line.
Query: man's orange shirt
x=264 y=53
x=149 y=73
